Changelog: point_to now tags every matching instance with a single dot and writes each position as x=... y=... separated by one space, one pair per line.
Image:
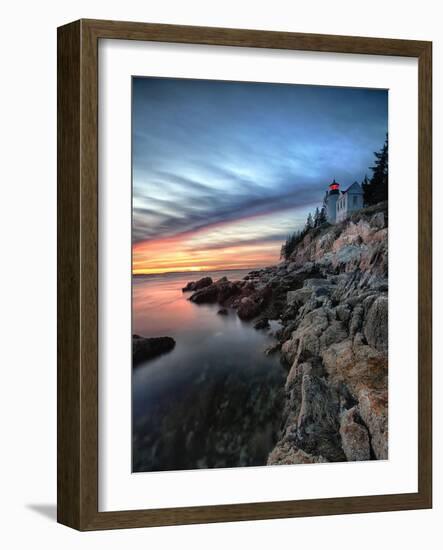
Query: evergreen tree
x=309 y=222
x=366 y=192
x=283 y=250
x=376 y=190
x=317 y=217
x=322 y=216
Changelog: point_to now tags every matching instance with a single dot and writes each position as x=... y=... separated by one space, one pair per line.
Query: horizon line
x=250 y=268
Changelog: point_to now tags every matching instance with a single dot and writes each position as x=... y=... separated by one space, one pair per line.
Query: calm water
x=215 y=400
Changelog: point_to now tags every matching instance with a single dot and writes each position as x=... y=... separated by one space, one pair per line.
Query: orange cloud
x=173 y=254
x=235 y=244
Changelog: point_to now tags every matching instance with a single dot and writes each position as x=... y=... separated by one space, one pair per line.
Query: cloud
x=208 y=154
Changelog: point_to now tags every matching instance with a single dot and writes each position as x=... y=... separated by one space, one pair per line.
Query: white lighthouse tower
x=331 y=201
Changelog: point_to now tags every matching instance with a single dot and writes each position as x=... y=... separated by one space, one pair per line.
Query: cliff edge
x=331 y=298
x=335 y=343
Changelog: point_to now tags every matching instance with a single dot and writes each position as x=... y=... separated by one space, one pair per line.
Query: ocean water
x=214 y=401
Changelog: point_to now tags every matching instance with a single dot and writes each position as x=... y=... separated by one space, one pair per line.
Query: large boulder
x=144 y=349
x=198 y=285
x=248 y=308
x=317 y=427
x=226 y=289
x=354 y=436
x=221 y=291
x=355 y=364
x=206 y=295
x=373 y=406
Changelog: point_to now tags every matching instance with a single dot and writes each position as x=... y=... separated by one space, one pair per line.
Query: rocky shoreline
x=331 y=298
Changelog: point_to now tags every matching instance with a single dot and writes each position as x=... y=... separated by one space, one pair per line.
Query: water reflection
x=215 y=400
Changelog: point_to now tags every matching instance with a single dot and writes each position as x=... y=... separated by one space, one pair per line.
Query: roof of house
x=356 y=188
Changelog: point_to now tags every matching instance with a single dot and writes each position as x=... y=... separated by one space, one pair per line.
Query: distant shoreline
x=195 y=273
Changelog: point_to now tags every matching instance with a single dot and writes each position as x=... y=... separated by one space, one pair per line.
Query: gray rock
x=335 y=333
x=348 y=257
x=317 y=426
x=355 y=323
x=298 y=297
x=378 y=220
x=376 y=324
x=354 y=436
x=343 y=313
x=373 y=407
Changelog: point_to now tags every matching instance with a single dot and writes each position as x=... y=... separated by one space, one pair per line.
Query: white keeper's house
x=339 y=204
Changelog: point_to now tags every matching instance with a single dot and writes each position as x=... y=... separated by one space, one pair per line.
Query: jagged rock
x=356 y=320
x=347 y=258
x=222 y=311
x=335 y=333
x=298 y=297
x=376 y=324
x=304 y=341
x=144 y=349
x=357 y=365
x=373 y=406
x=225 y=290
x=334 y=341
x=354 y=436
x=250 y=306
x=317 y=427
x=343 y=313
x=378 y=220
x=331 y=299
x=198 y=285
x=220 y=292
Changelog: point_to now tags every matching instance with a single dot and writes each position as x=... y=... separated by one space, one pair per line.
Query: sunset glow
x=234 y=245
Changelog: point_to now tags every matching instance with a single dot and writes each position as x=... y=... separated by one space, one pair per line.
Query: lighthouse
x=333 y=196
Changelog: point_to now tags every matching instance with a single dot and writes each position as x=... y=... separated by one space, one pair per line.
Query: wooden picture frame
x=78 y=274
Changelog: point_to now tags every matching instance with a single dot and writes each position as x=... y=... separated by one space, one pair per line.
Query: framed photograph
x=244 y=275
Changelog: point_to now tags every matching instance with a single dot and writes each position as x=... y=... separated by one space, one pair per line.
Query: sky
x=224 y=171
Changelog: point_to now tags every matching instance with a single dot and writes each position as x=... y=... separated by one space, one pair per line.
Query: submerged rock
x=261 y=323
x=144 y=349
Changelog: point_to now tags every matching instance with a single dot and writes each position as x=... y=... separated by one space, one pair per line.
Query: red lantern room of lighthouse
x=331 y=199
x=334 y=186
